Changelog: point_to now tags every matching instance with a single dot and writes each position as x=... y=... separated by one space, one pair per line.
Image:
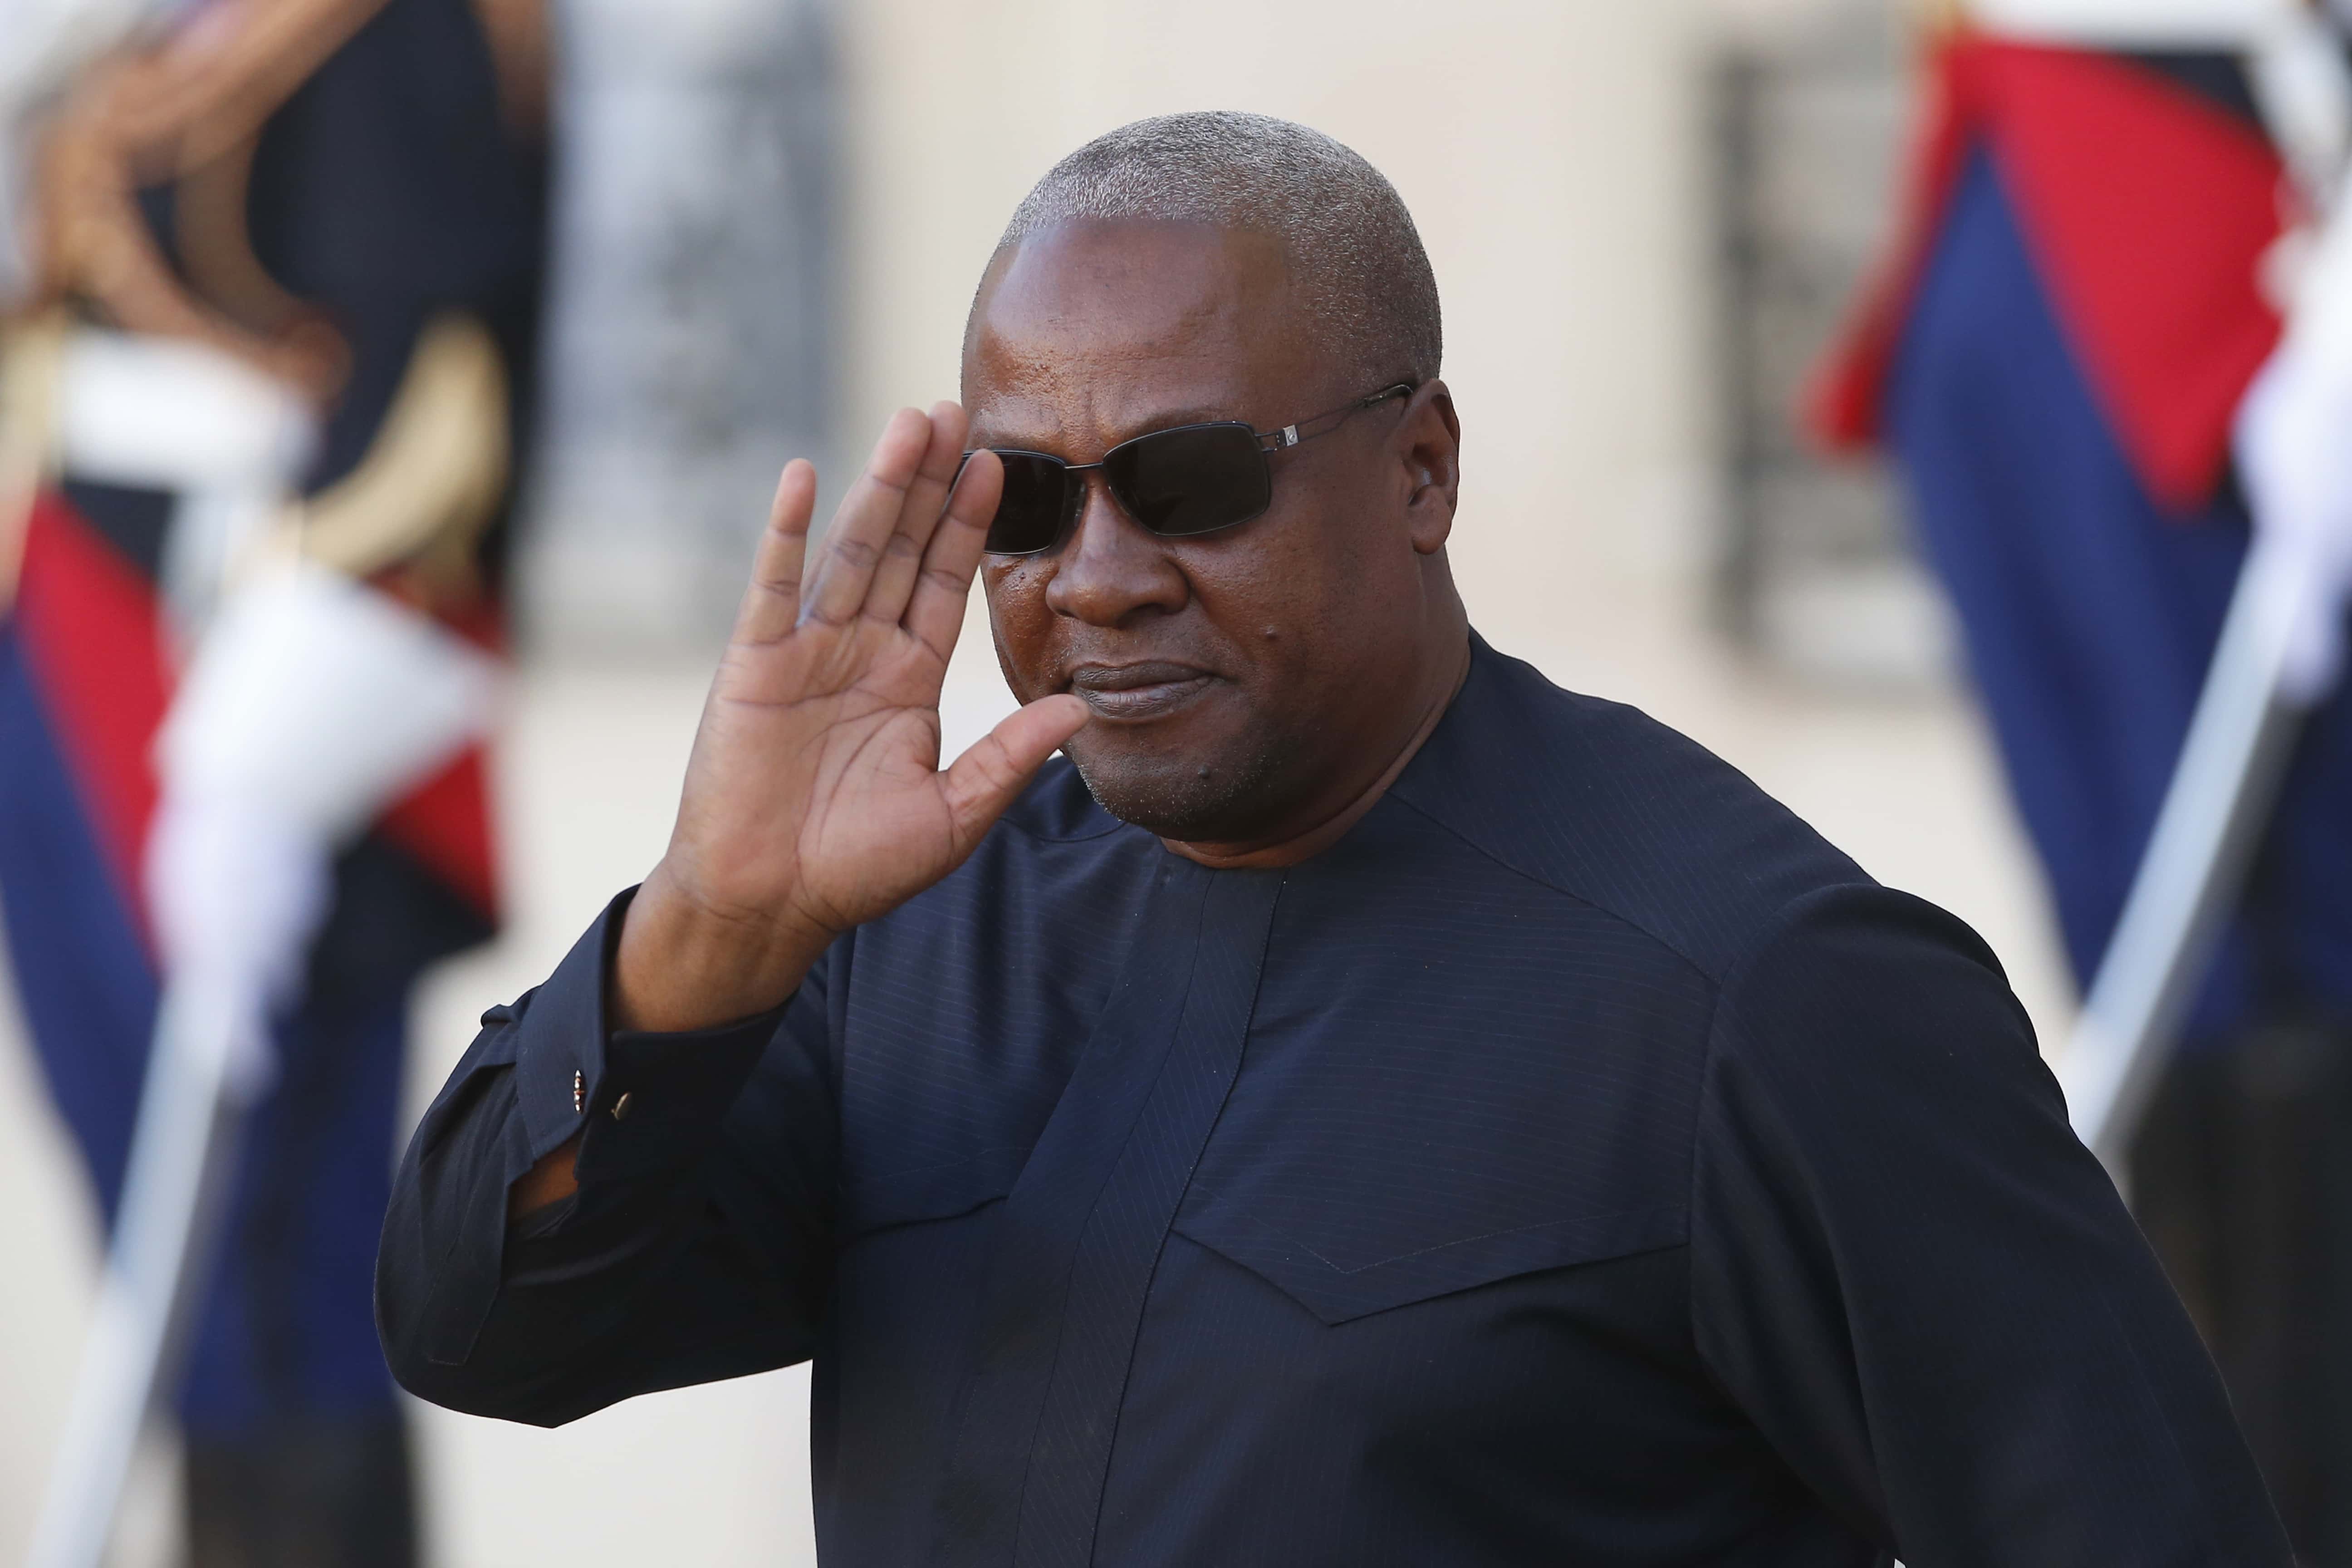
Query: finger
x=927 y=497
x=772 y=602
x=934 y=612
x=868 y=515
x=999 y=764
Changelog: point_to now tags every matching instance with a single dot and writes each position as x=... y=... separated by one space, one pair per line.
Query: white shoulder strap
x=2134 y=24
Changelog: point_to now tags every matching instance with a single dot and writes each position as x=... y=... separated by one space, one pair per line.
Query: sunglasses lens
x=1193 y=480
x=1036 y=502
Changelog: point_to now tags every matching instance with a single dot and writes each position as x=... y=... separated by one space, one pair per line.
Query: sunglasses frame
x=1268 y=442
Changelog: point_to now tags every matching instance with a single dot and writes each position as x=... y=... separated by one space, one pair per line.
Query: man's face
x=1234 y=678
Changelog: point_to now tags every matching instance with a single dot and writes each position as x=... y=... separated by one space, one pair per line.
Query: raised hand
x=813 y=798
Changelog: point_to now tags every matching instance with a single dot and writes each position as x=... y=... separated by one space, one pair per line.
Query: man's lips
x=1146 y=690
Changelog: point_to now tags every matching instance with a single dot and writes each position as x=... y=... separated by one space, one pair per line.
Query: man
x=1367 y=1107
x=236 y=723
x=2102 y=232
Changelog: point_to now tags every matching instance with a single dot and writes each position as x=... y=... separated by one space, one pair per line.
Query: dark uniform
x=1580 y=1161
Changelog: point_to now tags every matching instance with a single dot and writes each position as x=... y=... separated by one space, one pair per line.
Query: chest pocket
x=1364 y=1267
x=948 y=1190
x=938 y=1120
x=1368 y=1159
x=963 y=1014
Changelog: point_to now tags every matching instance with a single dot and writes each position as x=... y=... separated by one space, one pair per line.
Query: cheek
x=1285 y=596
x=1019 y=619
x=1332 y=601
x=1257 y=602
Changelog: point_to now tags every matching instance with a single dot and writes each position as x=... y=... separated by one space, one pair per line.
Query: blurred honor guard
x=259 y=441
x=2114 y=352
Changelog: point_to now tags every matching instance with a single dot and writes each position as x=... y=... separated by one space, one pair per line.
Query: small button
x=579 y=1093
x=620 y=1107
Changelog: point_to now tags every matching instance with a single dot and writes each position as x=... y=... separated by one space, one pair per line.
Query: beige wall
x=1545 y=149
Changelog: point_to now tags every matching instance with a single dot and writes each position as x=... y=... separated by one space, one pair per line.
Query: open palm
x=815 y=799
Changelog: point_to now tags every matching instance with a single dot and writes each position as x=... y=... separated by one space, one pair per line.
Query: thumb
x=984 y=781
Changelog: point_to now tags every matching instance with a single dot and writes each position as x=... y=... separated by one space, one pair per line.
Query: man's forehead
x=1130 y=276
x=1138 y=321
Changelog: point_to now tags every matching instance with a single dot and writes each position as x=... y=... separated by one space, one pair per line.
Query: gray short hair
x=1354 y=252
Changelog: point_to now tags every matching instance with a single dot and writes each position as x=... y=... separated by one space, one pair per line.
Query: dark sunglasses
x=1194 y=479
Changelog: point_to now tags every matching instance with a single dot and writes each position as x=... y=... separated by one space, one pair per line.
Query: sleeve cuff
x=646 y=1102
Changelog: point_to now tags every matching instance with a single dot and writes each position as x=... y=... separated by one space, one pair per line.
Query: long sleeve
x=697 y=1247
x=1918 y=1284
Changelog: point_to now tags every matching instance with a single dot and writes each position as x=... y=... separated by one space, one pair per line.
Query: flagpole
x=2220 y=798
x=166 y=1236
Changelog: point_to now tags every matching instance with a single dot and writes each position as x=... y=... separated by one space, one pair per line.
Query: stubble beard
x=1191 y=800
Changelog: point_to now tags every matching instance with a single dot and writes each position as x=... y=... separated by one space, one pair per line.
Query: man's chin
x=1182 y=798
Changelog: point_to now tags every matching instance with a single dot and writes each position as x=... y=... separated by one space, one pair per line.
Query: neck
x=1436 y=695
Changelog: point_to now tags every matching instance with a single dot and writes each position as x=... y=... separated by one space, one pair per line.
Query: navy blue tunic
x=1581 y=1163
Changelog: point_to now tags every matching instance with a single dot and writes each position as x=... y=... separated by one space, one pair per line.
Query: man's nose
x=1110 y=571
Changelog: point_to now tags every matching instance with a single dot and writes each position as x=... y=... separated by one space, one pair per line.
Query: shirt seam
x=1706 y=1060
x=1643 y=1210
x=1545 y=882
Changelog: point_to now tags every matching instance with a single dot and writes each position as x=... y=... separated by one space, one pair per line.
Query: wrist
x=680 y=964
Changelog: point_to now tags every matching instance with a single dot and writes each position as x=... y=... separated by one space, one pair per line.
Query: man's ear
x=1430 y=439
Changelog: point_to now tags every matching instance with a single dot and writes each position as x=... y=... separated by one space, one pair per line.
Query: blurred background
x=766 y=220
